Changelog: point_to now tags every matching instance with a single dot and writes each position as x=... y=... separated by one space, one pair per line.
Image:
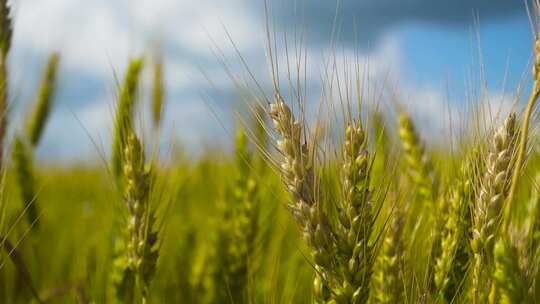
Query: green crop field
x=353 y=206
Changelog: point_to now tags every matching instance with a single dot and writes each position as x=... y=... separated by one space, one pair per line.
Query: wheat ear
x=489 y=202
x=297 y=173
x=451 y=265
x=416 y=158
x=44 y=101
x=355 y=254
x=22 y=161
x=124 y=113
x=387 y=281
x=6 y=32
x=158 y=93
x=141 y=246
x=244 y=223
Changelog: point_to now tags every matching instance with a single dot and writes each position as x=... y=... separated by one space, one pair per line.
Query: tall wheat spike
x=387 y=284
x=489 y=203
x=297 y=173
x=23 y=146
x=244 y=223
x=22 y=160
x=451 y=264
x=141 y=245
x=420 y=171
x=158 y=93
x=355 y=254
x=6 y=32
x=416 y=158
x=124 y=113
x=44 y=102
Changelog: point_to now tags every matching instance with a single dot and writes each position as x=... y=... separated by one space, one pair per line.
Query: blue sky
x=426 y=47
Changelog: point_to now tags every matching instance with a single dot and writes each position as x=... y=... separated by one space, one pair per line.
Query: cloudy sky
x=429 y=47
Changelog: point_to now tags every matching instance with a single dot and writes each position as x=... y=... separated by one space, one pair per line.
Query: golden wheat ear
x=488 y=209
x=297 y=173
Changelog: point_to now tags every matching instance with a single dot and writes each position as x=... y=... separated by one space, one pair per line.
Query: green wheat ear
x=158 y=93
x=387 y=280
x=451 y=264
x=22 y=160
x=43 y=105
x=137 y=254
x=244 y=222
x=418 y=164
x=6 y=28
x=124 y=113
x=355 y=254
x=6 y=31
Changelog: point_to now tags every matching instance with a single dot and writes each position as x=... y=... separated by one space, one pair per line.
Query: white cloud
x=99 y=34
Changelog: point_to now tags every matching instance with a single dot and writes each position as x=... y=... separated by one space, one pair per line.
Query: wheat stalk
x=524 y=134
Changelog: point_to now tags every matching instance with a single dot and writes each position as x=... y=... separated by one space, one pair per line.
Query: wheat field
x=350 y=205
